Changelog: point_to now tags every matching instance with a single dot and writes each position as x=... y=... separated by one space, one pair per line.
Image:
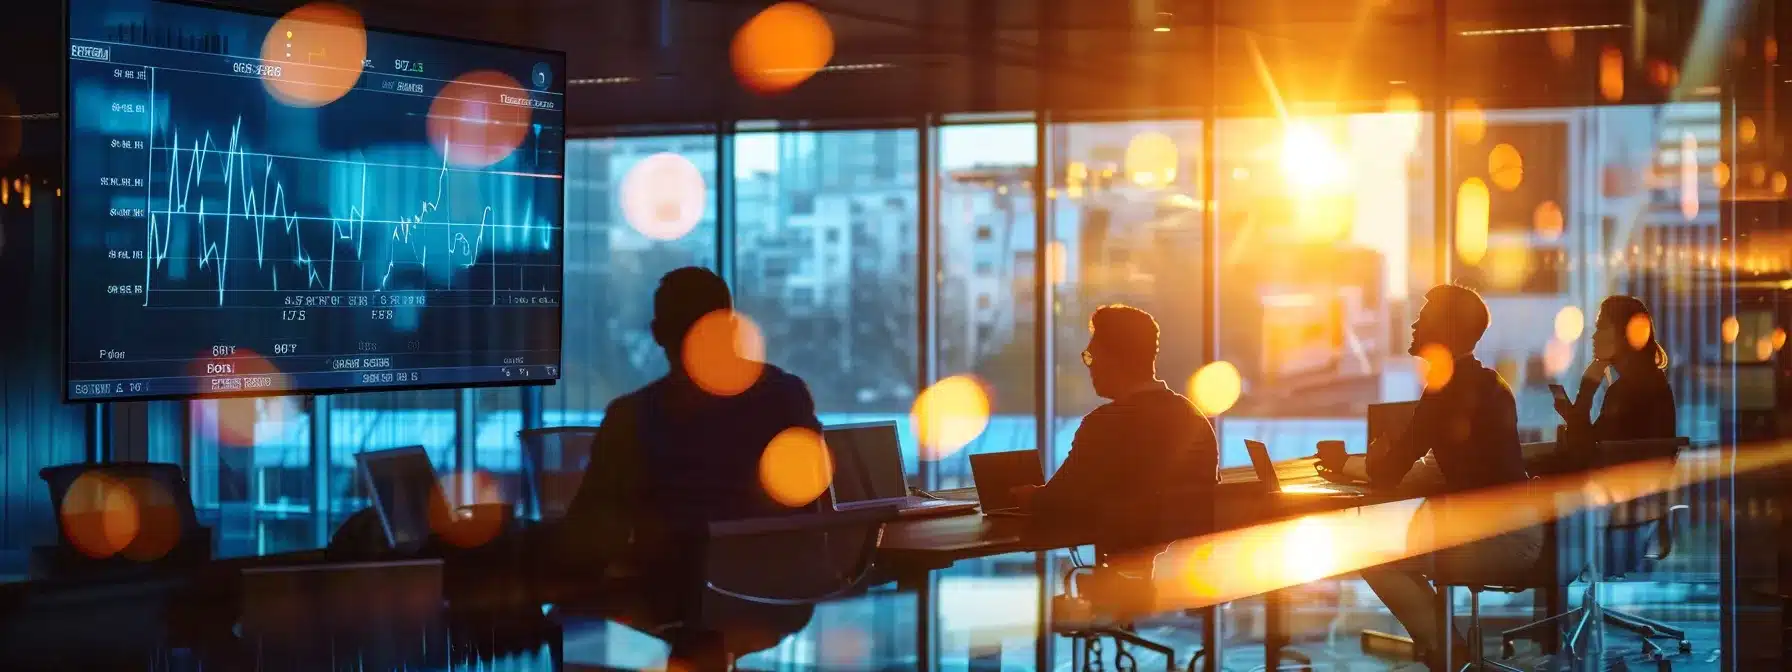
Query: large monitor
x=269 y=205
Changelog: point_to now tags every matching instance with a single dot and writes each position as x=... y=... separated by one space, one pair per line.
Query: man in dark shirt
x=673 y=455
x=1146 y=441
x=1463 y=436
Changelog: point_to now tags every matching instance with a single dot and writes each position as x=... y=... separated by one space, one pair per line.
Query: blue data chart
x=247 y=216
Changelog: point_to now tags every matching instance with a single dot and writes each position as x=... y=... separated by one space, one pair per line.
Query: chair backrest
x=791 y=560
x=167 y=502
x=1632 y=526
x=554 y=461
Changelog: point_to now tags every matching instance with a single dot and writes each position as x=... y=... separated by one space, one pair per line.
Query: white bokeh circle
x=663 y=196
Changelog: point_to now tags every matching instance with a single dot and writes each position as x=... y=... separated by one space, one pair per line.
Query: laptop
x=403 y=486
x=868 y=472
x=997 y=474
x=1388 y=422
x=1272 y=482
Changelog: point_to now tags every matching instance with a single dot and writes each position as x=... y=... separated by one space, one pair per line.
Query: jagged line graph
x=267 y=205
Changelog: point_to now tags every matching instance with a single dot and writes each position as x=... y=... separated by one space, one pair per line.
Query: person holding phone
x=1639 y=403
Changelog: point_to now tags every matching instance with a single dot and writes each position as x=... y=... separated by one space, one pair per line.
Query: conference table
x=913 y=548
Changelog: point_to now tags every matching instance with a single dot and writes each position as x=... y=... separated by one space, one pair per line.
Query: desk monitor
x=998 y=473
x=867 y=463
x=1388 y=421
x=402 y=484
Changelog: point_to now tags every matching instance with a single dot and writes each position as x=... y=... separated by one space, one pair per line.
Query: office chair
x=1620 y=547
x=554 y=461
x=757 y=582
x=169 y=533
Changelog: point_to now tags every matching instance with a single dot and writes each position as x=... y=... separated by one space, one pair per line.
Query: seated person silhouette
x=670 y=458
x=1147 y=442
x=1463 y=436
x=1639 y=404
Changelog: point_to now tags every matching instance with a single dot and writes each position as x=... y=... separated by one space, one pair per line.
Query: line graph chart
x=225 y=240
x=255 y=200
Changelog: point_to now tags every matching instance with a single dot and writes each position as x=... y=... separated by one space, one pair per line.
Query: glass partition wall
x=1287 y=232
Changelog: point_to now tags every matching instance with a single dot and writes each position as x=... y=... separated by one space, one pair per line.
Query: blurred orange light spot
x=1779 y=338
x=471 y=125
x=949 y=414
x=663 y=196
x=1557 y=355
x=1757 y=173
x=795 y=467
x=158 y=524
x=724 y=353
x=1216 y=387
x=1438 y=366
x=1611 y=74
x=1505 y=166
x=1777 y=182
x=1472 y=206
x=1771 y=49
x=1561 y=44
x=1151 y=159
x=476 y=509
x=1731 y=329
x=1570 y=322
x=99 y=515
x=782 y=47
x=1056 y=263
x=1507 y=264
x=1469 y=121
x=1720 y=174
x=1745 y=130
x=1637 y=331
x=320 y=56
x=1547 y=220
x=1764 y=348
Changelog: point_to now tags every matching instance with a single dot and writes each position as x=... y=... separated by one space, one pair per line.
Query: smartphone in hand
x=1560 y=393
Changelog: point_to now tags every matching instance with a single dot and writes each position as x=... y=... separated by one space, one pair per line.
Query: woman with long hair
x=1639 y=404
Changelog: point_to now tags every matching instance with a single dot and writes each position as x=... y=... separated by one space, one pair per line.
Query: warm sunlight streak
x=949 y=414
x=795 y=468
x=1310 y=160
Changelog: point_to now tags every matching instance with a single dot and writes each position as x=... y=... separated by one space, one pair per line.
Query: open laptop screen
x=403 y=486
x=867 y=462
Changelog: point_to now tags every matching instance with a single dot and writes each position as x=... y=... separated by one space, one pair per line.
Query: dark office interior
x=1052 y=335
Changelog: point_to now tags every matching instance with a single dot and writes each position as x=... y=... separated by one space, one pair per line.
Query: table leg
x=924 y=622
x=1274 y=630
x=1210 y=638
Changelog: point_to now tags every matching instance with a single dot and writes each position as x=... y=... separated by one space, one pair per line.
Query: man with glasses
x=1146 y=440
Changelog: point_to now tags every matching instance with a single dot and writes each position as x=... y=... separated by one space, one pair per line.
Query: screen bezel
x=68 y=190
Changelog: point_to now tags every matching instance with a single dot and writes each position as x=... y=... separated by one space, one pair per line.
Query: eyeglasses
x=1088 y=359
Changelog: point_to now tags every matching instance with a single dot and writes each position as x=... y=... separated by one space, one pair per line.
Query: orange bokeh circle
x=99 y=515
x=782 y=47
x=319 y=49
x=471 y=124
x=724 y=353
